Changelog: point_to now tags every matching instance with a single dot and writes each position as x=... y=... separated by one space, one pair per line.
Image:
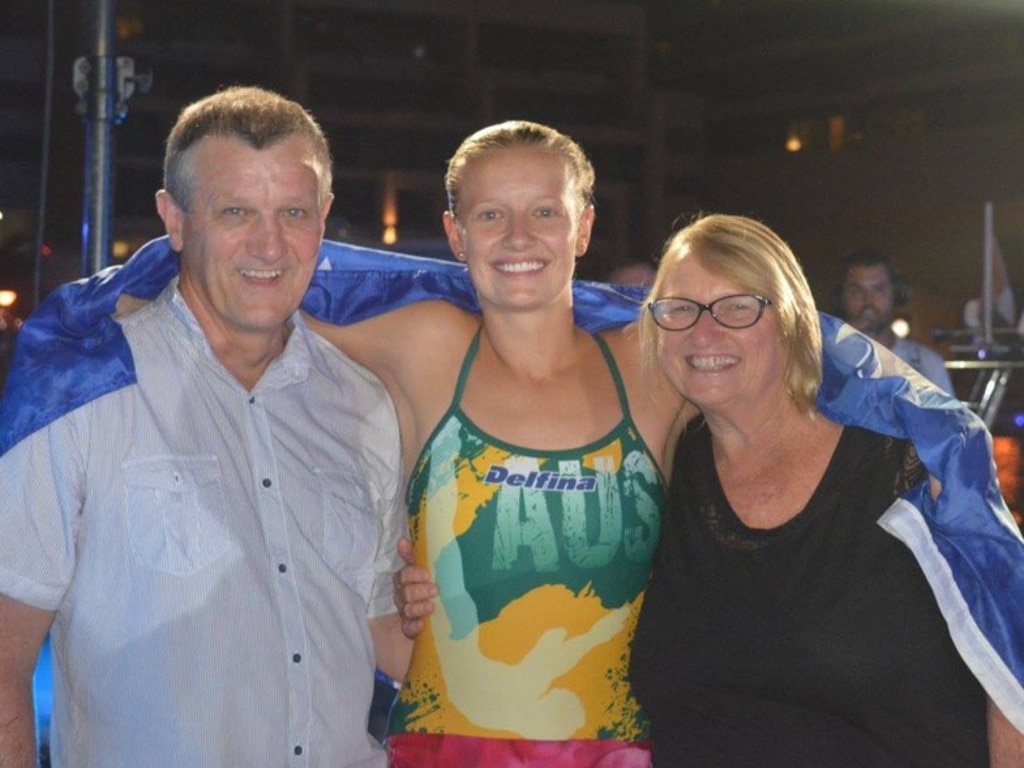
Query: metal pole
x=100 y=116
x=44 y=176
x=987 y=297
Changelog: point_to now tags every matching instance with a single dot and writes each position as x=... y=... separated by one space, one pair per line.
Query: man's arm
x=414 y=592
x=393 y=649
x=22 y=631
x=1005 y=743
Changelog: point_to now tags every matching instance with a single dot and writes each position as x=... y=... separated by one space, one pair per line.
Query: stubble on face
x=867 y=300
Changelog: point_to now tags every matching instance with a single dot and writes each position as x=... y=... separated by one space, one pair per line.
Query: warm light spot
x=120 y=249
x=1009 y=458
x=901 y=327
x=129 y=26
x=389 y=215
x=798 y=136
x=7 y=298
x=836 y=133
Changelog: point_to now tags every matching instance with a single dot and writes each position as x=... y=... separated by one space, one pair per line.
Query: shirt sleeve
x=390 y=508
x=43 y=489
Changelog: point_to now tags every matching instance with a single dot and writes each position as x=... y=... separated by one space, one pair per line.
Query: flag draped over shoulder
x=966 y=542
x=71 y=351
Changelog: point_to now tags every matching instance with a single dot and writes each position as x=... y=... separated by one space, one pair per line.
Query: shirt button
x=282 y=568
x=298 y=750
x=296 y=657
x=266 y=482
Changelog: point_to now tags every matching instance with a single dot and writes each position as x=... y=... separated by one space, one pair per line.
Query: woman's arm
x=1005 y=743
x=416 y=352
x=392 y=647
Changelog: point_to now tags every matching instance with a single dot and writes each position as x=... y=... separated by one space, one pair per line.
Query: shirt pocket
x=351 y=529
x=175 y=510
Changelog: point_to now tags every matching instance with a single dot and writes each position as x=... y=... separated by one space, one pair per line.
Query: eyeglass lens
x=739 y=311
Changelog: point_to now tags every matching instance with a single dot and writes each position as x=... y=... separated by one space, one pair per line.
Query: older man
x=211 y=545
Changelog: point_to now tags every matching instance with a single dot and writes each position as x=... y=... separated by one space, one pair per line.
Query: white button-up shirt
x=212 y=554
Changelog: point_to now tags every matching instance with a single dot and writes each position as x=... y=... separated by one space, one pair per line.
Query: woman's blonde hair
x=749 y=254
x=516 y=134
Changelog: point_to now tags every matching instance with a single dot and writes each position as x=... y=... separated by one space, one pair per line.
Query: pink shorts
x=430 y=750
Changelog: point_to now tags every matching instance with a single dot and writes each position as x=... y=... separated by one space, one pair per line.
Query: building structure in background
x=825 y=119
x=684 y=106
x=396 y=85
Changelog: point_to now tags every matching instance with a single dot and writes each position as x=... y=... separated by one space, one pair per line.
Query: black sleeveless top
x=817 y=644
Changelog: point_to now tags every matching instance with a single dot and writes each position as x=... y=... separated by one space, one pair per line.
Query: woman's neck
x=769 y=470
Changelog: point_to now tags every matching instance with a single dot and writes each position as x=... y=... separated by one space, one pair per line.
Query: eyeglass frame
x=763 y=303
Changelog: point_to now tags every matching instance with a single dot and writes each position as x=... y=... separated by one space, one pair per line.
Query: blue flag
x=72 y=351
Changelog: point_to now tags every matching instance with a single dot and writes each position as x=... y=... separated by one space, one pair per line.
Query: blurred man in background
x=870 y=289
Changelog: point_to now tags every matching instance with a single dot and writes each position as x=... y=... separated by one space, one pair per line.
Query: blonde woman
x=784 y=625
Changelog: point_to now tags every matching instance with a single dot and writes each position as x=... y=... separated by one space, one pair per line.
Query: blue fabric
x=70 y=352
x=967 y=543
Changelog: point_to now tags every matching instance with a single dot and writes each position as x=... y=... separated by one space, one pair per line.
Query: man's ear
x=173 y=217
x=325 y=209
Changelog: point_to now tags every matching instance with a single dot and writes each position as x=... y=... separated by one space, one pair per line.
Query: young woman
x=534 y=455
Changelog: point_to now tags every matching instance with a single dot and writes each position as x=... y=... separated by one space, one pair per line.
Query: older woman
x=782 y=625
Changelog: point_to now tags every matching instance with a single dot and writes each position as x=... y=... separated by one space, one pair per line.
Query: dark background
x=910 y=115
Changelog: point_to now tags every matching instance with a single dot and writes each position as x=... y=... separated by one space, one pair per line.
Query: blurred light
x=46 y=250
x=7 y=298
x=901 y=328
x=798 y=137
x=1009 y=460
x=120 y=249
x=836 y=133
x=389 y=217
x=1018 y=419
x=129 y=26
x=1 y=215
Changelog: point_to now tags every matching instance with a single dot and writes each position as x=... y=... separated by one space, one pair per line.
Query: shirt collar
x=290 y=367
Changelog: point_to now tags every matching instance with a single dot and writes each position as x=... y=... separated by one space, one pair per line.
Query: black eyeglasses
x=739 y=311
